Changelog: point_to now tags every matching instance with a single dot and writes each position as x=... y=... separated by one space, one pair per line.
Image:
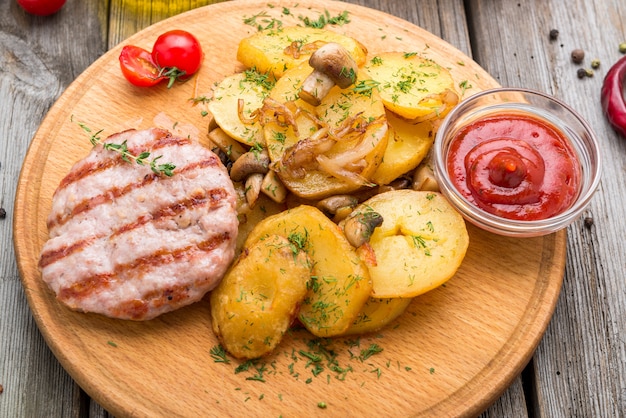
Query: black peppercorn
x=3 y=213
x=588 y=222
x=581 y=73
x=554 y=34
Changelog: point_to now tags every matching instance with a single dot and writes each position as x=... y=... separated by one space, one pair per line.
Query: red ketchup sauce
x=515 y=166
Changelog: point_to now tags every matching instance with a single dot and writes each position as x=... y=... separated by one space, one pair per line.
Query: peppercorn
x=578 y=55
x=588 y=222
x=584 y=72
x=622 y=47
x=595 y=64
x=554 y=34
x=3 y=213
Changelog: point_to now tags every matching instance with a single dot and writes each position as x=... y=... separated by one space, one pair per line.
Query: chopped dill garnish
x=219 y=354
x=365 y=87
x=370 y=351
x=325 y=19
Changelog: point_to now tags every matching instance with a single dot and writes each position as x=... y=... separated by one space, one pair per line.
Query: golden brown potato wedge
x=330 y=149
x=412 y=86
x=249 y=87
x=276 y=50
x=407 y=146
x=420 y=244
x=376 y=314
x=340 y=283
x=257 y=300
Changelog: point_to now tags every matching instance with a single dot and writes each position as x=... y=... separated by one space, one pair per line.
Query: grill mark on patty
x=117 y=192
x=140 y=266
x=53 y=256
x=212 y=197
x=163 y=139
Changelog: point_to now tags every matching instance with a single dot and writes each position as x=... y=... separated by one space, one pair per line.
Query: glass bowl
x=506 y=101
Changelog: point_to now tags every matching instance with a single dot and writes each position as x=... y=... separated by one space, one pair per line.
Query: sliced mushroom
x=228 y=145
x=333 y=204
x=398 y=184
x=424 y=178
x=253 y=188
x=359 y=228
x=252 y=162
x=273 y=187
x=332 y=65
x=339 y=206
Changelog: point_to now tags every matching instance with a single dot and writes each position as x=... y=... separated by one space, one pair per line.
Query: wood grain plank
x=39 y=57
x=127 y=17
x=580 y=366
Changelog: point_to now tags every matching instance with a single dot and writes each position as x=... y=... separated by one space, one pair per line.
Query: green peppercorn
x=622 y=47
x=595 y=64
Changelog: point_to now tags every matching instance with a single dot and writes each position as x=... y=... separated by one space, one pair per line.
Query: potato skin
x=376 y=314
x=257 y=300
x=340 y=284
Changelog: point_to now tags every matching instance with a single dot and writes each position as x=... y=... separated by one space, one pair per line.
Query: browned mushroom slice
x=359 y=227
x=332 y=65
x=252 y=162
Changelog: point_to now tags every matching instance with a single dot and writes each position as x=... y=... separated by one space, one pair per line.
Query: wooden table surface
x=579 y=367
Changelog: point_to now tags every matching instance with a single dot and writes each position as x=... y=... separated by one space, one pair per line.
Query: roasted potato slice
x=424 y=231
x=251 y=88
x=376 y=314
x=276 y=50
x=412 y=86
x=249 y=217
x=407 y=146
x=340 y=283
x=311 y=161
x=258 y=299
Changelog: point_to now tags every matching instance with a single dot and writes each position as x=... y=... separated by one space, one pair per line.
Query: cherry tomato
x=41 y=7
x=178 y=50
x=138 y=67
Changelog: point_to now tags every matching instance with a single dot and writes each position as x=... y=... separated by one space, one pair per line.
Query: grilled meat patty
x=128 y=243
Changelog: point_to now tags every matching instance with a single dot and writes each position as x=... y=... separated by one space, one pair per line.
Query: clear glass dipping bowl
x=542 y=106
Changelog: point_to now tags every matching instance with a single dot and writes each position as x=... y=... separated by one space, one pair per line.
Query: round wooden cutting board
x=453 y=352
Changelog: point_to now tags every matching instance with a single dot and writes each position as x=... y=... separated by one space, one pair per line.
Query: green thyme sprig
x=166 y=169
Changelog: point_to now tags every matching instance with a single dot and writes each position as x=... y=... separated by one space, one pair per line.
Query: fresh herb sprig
x=326 y=19
x=166 y=169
